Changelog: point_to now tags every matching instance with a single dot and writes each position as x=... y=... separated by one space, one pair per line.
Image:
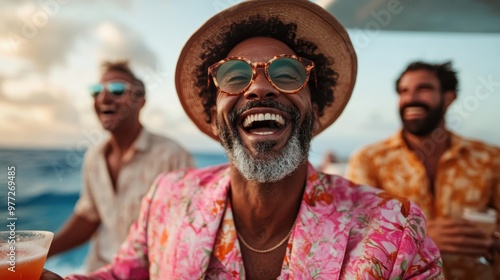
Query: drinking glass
x=23 y=253
x=485 y=220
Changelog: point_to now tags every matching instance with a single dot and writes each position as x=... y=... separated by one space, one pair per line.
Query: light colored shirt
x=331 y=168
x=468 y=175
x=343 y=231
x=117 y=210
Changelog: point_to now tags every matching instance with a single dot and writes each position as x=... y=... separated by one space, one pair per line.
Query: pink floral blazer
x=343 y=231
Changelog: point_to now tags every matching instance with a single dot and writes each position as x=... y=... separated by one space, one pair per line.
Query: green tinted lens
x=95 y=89
x=288 y=74
x=233 y=76
x=117 y=88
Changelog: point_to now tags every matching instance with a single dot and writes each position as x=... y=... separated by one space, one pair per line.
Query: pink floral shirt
x=344 y=231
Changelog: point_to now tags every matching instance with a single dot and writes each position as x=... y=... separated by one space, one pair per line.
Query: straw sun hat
x=314 y=24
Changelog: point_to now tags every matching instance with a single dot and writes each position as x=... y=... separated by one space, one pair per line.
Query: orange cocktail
x=23 y=254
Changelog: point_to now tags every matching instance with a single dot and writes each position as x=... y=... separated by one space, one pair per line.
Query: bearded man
x=264 y=77
x=440 y=171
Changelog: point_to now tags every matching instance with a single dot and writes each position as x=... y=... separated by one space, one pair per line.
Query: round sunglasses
x=287 y=73
x=116 y=88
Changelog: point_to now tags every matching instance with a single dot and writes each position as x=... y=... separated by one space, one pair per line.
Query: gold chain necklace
x=270 y=249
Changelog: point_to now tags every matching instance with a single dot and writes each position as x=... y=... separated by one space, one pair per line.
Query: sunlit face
x=421 y=102
x=266 y=133
x=116 y=112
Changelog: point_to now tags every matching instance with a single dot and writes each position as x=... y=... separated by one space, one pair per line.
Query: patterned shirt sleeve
x=418 y=257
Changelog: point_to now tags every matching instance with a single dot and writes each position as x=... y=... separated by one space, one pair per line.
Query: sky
x=50 y=51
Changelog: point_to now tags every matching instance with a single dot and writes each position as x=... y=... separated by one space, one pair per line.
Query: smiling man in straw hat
x=263 y=78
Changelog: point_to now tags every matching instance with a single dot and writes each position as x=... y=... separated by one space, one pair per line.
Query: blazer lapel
x=198 y=230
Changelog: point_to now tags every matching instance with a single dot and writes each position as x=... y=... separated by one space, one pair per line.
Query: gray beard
x=271 y=166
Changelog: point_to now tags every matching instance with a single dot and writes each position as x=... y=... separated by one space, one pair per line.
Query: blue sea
x=47 y=186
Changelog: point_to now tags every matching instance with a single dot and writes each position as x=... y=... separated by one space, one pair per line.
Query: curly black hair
x=445 y=73
x=257 y=26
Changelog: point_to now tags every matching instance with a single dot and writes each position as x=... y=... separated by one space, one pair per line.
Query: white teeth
x=263 y=133
x=280 y=120
x=414 y=110
x=263 y=117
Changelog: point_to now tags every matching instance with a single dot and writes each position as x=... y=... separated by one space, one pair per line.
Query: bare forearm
x=75 y=232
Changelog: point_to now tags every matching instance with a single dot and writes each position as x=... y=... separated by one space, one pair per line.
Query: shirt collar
x=457 y=143
x=397 y=141
x=141 y=143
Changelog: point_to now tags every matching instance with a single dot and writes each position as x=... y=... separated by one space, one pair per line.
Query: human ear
x=449 y=97
x=213 y=120
x=141 y=101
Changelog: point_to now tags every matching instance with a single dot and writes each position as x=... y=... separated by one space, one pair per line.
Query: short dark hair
x=257 y=26
x=446 y=75
x=139 y=89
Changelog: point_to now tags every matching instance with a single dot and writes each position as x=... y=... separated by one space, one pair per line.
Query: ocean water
x=47 y=185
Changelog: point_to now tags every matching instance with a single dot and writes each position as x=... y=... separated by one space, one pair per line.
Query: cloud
x=44 y=121
x=47 y=56
x=45 y=34
x=118 y=41
x=38 y=34
x=126 y=5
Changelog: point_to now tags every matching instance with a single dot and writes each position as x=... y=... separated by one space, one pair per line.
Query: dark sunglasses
x=287 y=73
x=116 y=88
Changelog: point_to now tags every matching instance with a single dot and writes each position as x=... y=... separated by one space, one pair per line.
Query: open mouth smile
x=107 y=110
x=414 y=112
x=264 y=123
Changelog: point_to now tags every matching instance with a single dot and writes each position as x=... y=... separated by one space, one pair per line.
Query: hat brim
x=314 y=24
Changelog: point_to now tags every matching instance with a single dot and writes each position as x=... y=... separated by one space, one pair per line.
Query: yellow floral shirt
x=468 y=175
